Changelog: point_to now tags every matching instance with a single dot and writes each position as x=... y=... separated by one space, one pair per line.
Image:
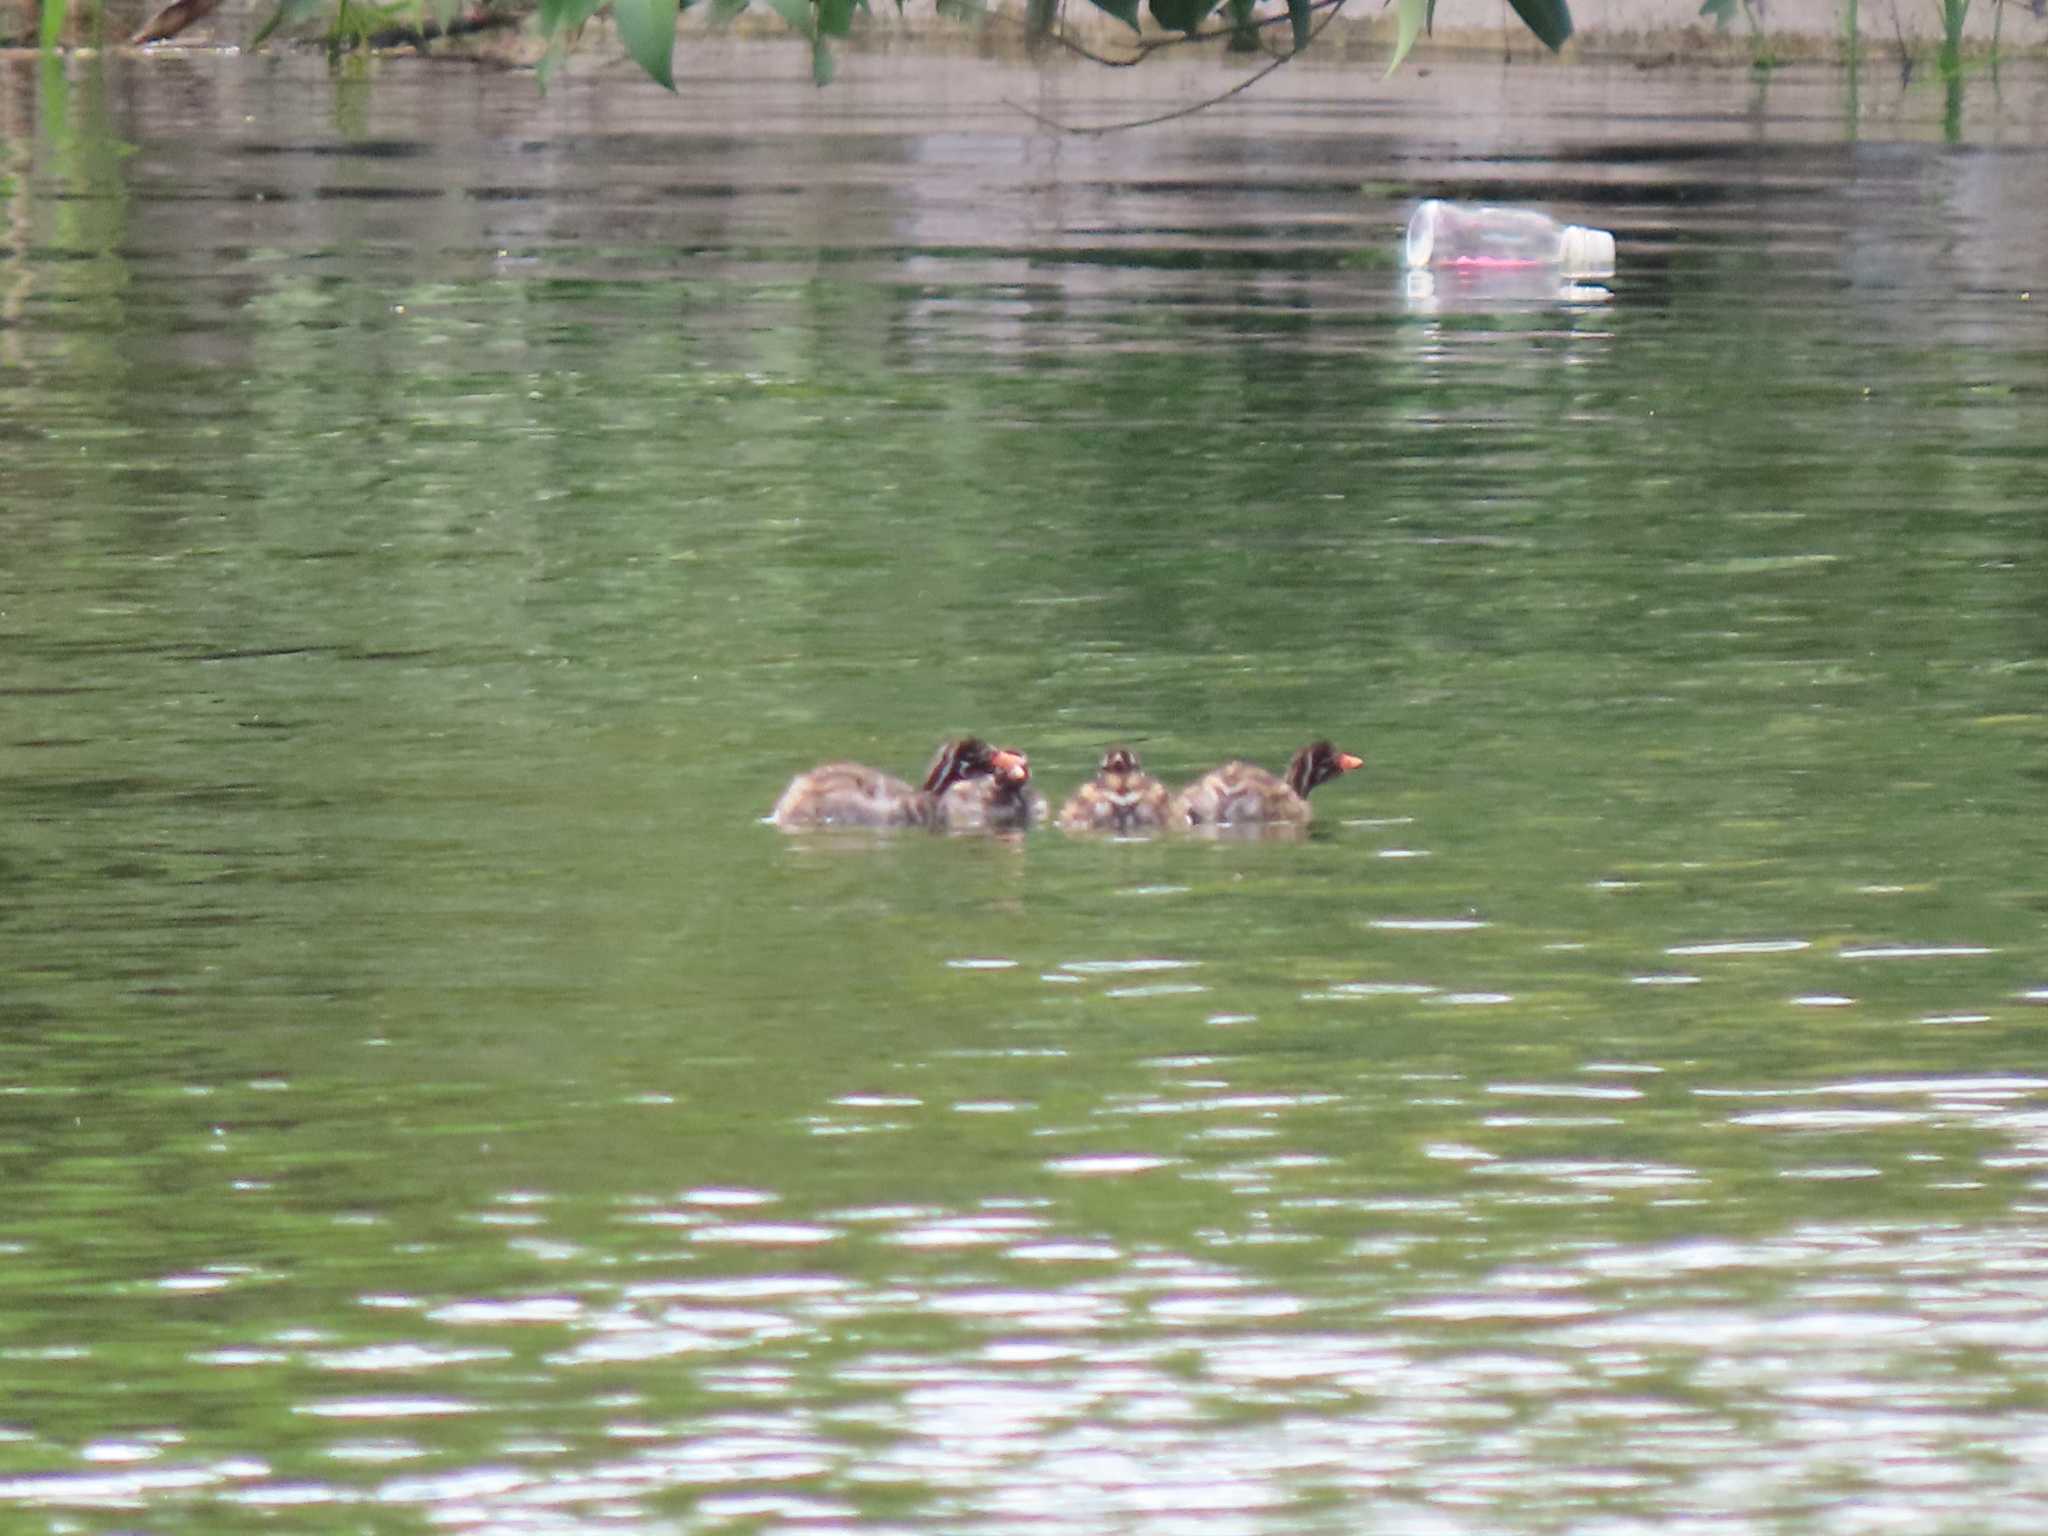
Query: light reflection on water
x=434 y=1097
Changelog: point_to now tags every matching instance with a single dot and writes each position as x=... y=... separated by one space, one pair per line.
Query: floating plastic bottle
x=1476 y=235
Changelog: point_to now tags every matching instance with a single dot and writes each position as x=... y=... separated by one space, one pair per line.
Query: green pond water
x=436 y=522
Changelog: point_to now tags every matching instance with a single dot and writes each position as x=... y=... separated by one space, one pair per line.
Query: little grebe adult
x=1121 y=798
x=854 y=795
x=1244 y=794
x=1001 y=800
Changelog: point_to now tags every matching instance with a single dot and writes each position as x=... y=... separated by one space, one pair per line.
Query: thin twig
x=1334 y=6
x=1145 y=47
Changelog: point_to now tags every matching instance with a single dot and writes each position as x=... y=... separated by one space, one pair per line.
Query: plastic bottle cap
x=1587 y=252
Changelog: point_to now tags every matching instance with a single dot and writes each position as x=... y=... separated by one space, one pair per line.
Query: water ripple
x=122 y=1490
x=385 y=1408
x=1592 y=1174
x=976 y=1230
x=406 y=1357
x=766 y=1234
x=1916 y=951
x=1107 y=1164
x=1124 y=967
x=1370 y=989
x=1741 y=947
x=523 y=1309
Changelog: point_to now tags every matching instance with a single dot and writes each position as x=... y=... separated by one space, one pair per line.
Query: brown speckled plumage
x=1244 y=794
x=1002 y=800
x=854 y=795
x=1121 y=798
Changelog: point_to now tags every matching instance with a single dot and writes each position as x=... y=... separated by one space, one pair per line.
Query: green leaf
x=821 y=61
x=1181 y=15
x=289 y=13
x=835 y=17
x=556 y=56
x=1125 y=11
x=648 y=29
x=1550 y=20
x=1297 y=18
x=1408 y=20
x=54 y=14
x=797 y=13
x=1723 y=12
